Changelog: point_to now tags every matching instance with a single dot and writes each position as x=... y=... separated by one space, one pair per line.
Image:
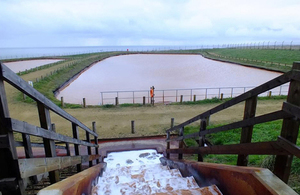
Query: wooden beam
x=96 y=141
x=76 y=146
x=89 y=149
x=244 y=123
x=291 y=109
x=289 y=130
x=8 y=161
x=246 y=134
x=49 y=144
x=290 y=147
x=35 y=166
x=254 y=92
x=17 y=82
x=260 y=148
x=23 y=127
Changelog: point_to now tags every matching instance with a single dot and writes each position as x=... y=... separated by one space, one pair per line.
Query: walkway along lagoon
x=164 y=71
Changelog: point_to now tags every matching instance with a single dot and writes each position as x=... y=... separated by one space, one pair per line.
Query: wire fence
x=167 y=96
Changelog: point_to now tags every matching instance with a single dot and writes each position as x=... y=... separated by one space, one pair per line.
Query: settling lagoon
x=105 y=80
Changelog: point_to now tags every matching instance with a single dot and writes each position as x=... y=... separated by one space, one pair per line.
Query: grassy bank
x=261 y=132
x=279 y=60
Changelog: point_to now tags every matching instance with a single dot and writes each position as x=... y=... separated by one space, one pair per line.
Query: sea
x=15 y=53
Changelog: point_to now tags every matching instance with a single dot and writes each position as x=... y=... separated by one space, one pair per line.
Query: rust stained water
x=164 y=71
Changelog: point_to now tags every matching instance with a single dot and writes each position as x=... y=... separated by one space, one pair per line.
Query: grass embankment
x=278 y=60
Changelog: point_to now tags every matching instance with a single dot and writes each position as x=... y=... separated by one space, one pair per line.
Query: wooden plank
x=13 y=79
x=246 y=134
x=252 y=121
x=260 y=148
x=76 y=146
x=254 y=92
x=8 y=184
x=291 y=109
x=8 y=160
x=290 y=147
x=289 y=130
x=49 y=144
x=23 y=127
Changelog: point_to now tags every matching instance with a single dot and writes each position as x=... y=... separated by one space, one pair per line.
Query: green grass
x=261 y=133
x=257 y=57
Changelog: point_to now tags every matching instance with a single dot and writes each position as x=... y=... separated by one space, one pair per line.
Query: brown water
x=140 y=71
x=28 y=64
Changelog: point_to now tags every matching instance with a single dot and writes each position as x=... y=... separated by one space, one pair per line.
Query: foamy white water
x=140 y=172
x=28 y=64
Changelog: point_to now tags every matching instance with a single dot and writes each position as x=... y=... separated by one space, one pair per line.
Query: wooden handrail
x=13 y=79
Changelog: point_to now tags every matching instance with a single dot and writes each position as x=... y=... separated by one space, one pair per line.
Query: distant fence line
x=180 y=95
x=284 y=45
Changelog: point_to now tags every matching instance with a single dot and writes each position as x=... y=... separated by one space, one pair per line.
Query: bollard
x=221 y=98
x=194 y=98
x=62 y=101
x=270 y=94
x=181 y=99
x=132 y=127
x=84 y=104
x=144 y=100
x=117 y=101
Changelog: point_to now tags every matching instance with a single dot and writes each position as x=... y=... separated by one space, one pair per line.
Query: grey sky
x=46 y=23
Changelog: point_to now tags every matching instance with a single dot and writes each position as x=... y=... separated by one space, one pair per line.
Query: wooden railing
x=284 y=148
x=13 y=170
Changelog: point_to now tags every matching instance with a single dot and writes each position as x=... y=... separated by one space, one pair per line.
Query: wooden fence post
x=76 y=146
x=89 y=149
x=202 y=138
x=96 y=141
x=181 y=131
x=117 y=101
x=181 y=99
x=62 y=102
x=144 y=100
x=289 y=131
x=49 y=145
x=221 y=97
x=8 y=153
x=84 y=103
x=132 y=127
x=246 y=134
x=194 y=98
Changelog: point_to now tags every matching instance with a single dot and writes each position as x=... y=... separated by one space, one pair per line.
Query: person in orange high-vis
x=152 y=94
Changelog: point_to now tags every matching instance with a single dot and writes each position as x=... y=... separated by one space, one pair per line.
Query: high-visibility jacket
x=151 y=93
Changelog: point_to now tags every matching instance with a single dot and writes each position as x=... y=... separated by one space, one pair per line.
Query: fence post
x=144 y=100
x=221 y=98
x=289 y=131
x=176 y=94
x=96 y=141
x=102 y=98
x=62 y=102
x=132 y=127
x=246 y=134
x=194 y=98
x=181 y=99
x=181 y=131
x=49 y=145
x=84 y=104
x=191 y=94
x=89 y=149
x=269 y=94
x=117 y=101
x=201 y=138
x=76 y=146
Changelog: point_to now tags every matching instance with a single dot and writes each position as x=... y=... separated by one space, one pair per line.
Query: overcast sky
x=50 y=23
